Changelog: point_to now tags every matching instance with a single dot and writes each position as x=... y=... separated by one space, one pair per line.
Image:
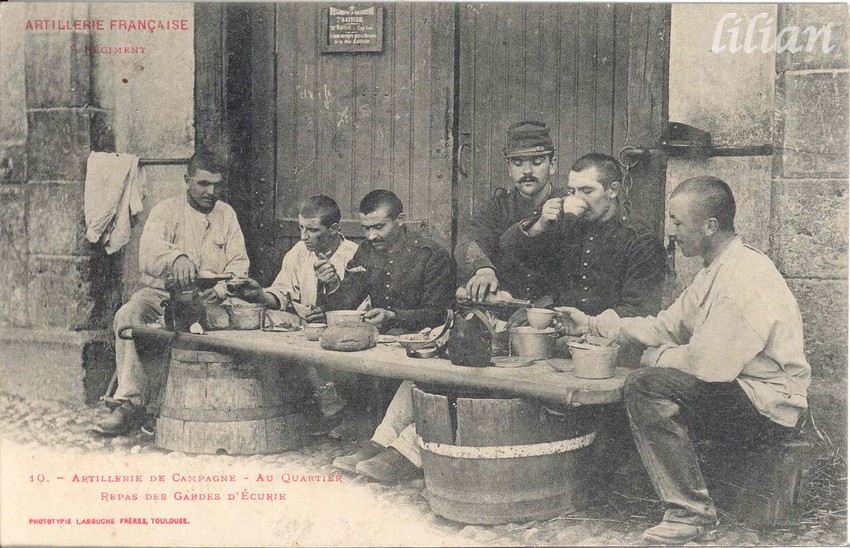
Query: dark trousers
x=663 y=405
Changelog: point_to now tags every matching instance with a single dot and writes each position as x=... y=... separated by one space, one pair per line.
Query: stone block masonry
x=809 y=195
x=57 y=292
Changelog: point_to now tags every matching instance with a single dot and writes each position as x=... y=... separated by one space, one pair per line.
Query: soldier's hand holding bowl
x=571 y=321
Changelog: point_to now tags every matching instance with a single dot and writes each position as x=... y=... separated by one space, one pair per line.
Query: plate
x=414 y=341
x=283 y=329
x=512 y=361
x=426 y=352
x=387 y=339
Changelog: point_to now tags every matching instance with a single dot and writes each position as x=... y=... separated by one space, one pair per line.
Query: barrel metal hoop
x=221 y=415
x=214 y=370
x=507 y=451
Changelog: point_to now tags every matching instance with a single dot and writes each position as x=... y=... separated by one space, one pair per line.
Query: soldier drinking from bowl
x=598 y=259
x=726 y=358
x=183 y=236
x=408 y=278
x=296 y=287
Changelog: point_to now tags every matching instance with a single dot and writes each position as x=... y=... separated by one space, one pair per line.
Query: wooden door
x=595 y=73
x=343 y=124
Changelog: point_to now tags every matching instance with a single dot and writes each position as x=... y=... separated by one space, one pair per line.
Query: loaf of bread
x=349 y=337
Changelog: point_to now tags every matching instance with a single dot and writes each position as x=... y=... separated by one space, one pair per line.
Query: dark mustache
x=528 y=179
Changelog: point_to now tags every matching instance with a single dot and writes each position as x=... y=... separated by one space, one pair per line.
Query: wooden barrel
x=491 y=461
x=215 y=404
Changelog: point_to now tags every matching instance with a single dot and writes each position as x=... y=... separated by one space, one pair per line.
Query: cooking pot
x=245 y=316
x=594 y=361
x=534 y=343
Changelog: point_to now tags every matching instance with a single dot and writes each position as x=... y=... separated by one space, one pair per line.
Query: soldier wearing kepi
x=530 y=155
x=726 y=359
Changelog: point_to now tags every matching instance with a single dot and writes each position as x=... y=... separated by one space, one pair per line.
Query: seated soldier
x=408 y=278
x=183 y=236
x=531 y=161
x=597 y=262
x=597 y=256
x=296 y=283
x=726 y=356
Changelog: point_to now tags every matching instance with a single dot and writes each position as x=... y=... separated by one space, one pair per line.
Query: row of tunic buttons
x=584 y=276
x=387 y=297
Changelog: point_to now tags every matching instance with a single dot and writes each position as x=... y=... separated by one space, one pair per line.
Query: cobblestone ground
x=62 y=428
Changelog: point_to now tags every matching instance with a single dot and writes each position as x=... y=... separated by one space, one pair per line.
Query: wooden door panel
x=595 y=73
x=351 y=123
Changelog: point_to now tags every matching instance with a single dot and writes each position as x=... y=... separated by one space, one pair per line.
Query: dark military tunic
x=596 y=265
x=480 y=247
x=415 y=279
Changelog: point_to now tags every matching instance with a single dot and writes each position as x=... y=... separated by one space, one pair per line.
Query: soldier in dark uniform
x=530 y=155
x=598 y=259
x=408 y=278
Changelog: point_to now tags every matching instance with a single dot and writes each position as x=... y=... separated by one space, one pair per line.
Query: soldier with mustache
x=530 y=155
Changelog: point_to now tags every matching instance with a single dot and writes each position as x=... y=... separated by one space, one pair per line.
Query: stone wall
x=730 y=95
x=810 y=183
x=60 y=99
x=794 y=204
x=809 y=207
x=58 y=102
x=13 y=168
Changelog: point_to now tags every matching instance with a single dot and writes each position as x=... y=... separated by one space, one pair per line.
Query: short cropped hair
x=207 y=162
x=322 y=207
x=713 y=198
x=377 y=199
x=607 y=167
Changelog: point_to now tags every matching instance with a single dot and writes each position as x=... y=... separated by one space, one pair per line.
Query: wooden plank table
x=538 y=380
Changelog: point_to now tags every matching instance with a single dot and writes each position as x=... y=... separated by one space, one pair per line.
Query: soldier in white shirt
x=321 y=242
x=726 y=358
x=185 y=235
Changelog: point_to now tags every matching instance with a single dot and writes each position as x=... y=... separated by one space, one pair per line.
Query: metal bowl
x=314 y=330
x=335 y=317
